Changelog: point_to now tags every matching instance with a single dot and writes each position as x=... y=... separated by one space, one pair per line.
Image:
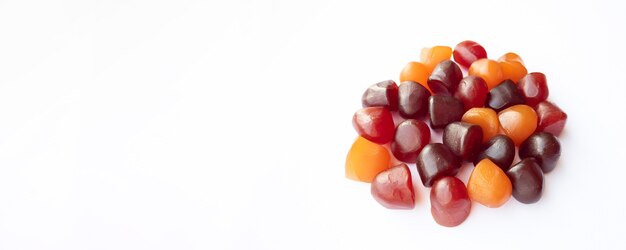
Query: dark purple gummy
x=503 y=96
x=384 y=94
x=527 y=179
x=443 y=110
x=411 y=136
x=413 y=100
x=472 y=91
x=544 y=147
x=500 y=149
x=445 y=78
x=436 y=161
x=463 y=139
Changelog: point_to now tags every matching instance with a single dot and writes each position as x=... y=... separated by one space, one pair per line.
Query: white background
x=225 y=124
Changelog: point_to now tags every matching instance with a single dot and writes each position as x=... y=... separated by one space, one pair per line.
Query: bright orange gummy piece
x=365 y=160
x=417 y=72
x=486 y=118
x=511 y=57
x=513 y=70
x=489 y=70
x=434 y=55
x=518 y=122
x=488 y=184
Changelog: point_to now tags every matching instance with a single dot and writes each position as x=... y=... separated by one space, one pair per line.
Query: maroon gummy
x=503 y=96
x=374 y=124
x=410 y=137
x=472 y=91
x=384 y=94
x=393 y=188
x=436 y=161
x=445 y=78
x=449 y=203
x=463 y=139
x=550 y=117
x=443 y=110
x=413 y=100
x=534 y=88
x=527 y=179
x=466 y=52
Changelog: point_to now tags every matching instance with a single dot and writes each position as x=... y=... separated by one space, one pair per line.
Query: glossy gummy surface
x=445 y=78
x=374 y=124
x=393 y=188
x=383 y=94
x=434 y=55
x=500 y=150
x=436 y=161
x=504 y=95
x=518 y=122
x=513 y=71
x=467 y=52
x=486 y=118
x=551 y=118
x=411 y=136
x=472 y=91
x=365 y=160
x=544 y=147
x=534 y=88
x=527 y=180
x=416 y=72
x=463 y=139
x=489 y=185
x=443 y=110
x=487 y=69
x=449 y=203
x=413 y=100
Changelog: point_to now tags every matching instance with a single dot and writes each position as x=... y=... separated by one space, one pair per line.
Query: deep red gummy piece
x=527 y=179
x=551 y=118
x=449 y=203
x=466 y=52
x=436 y=161
x=413 y=98
x=393 y=188
x=463 y=139
x=534 y=88
x=410 y=137
x=472 y=91
x=443 y=110
x=445 y=78
x=384 y=94
x=374 y=124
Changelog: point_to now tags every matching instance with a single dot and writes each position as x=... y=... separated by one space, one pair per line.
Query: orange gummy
x=489 y=70
x=511 y=57
x=417 y=72
x=518 y=122
x=434 y=55
x=513 y=70
x=488 y=184
x=486 y=118
x=365 y=160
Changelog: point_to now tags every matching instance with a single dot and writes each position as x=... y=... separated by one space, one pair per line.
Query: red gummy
x=449 y=203
x=374 y=124
x=393 y=188
x=472 y=91
x=466 y=52
x=411 y=136
x=534 y=88
x=550 y=117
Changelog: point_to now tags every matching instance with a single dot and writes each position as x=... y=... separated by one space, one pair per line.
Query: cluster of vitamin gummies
x=484 y=116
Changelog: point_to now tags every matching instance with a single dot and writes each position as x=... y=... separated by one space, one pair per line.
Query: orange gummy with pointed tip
x=489 y=70
x=365 y=160
x=513 y=70
x=518 y=122
x=511 y=57
x=489 y=185
x=432 y=56
x=417 y=72
x=486 y=118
